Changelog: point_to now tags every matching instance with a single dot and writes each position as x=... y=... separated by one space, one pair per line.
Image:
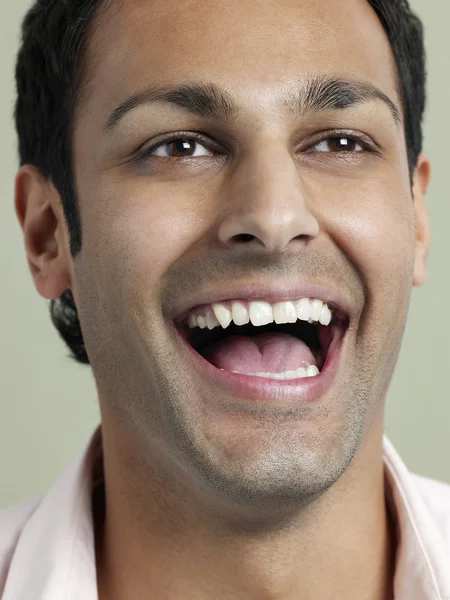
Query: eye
x=180 y=148
x=338 y=143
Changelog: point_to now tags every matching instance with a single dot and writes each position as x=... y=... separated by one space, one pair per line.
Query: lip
x=336 y=299
x=269 y=391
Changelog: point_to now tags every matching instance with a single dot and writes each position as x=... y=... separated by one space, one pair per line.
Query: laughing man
x=224 y=202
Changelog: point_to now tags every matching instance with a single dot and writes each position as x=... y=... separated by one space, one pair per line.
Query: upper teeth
x=260 y=313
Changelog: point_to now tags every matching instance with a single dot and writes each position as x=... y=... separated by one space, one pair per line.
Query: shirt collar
x=423 y=556
x=56 y=549
x=57 y=546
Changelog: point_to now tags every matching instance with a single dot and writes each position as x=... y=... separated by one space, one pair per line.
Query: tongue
x=261 y=353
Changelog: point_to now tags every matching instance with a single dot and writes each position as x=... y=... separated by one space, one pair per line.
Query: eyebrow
x=317 y=94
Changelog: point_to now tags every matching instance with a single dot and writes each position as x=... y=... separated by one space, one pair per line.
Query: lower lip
x=261 y=390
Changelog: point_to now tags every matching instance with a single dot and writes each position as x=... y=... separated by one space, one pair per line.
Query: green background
x=48 y=403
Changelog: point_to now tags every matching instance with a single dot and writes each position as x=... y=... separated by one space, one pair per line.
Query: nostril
x=244 y=237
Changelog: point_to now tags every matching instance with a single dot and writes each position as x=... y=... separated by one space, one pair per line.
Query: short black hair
x=49 y=74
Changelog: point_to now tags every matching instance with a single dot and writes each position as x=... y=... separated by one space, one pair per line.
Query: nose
x=269 y=204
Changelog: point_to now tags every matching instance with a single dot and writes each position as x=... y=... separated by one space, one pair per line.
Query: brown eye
x=181 y=148
x=338 y=144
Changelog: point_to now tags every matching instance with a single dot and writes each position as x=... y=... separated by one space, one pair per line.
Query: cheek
x=375 y=231
x=131 y=237
x=372 y=222
x=139 y=233
x=378 y=238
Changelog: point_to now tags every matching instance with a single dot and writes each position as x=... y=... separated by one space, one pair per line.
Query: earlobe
x=36 y=200
x=422 y=176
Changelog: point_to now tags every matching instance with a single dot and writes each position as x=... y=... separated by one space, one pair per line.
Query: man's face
x=161 y=232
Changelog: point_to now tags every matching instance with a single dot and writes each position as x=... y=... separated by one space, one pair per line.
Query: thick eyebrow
x=317 y=94
x=321 y=94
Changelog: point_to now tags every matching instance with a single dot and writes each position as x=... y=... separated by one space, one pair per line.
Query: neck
x=153 y=540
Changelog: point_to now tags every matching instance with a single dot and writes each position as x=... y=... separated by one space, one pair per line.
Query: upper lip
x=336 y=299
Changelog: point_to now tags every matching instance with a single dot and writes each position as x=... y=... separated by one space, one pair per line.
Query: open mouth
x=318 y=338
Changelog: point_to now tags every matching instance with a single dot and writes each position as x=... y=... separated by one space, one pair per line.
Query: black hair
x=49 y=74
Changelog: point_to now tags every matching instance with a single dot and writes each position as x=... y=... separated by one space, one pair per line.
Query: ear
x=39 y=210
x=422 y=174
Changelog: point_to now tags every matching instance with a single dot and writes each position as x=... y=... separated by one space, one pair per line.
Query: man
x=192 y=171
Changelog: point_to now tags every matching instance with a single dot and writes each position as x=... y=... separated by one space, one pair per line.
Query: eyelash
x=146 y=151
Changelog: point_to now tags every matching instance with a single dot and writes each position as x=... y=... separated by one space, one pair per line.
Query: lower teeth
x=311 y=371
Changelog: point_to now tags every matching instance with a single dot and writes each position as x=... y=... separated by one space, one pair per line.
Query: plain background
x=48 y=405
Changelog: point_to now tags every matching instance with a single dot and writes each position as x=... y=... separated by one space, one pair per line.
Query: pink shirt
x=47 y=547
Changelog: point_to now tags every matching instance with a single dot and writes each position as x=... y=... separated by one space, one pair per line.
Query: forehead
x=250 y=47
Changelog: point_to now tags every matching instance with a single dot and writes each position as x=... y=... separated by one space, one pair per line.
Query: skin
x=203 y=501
